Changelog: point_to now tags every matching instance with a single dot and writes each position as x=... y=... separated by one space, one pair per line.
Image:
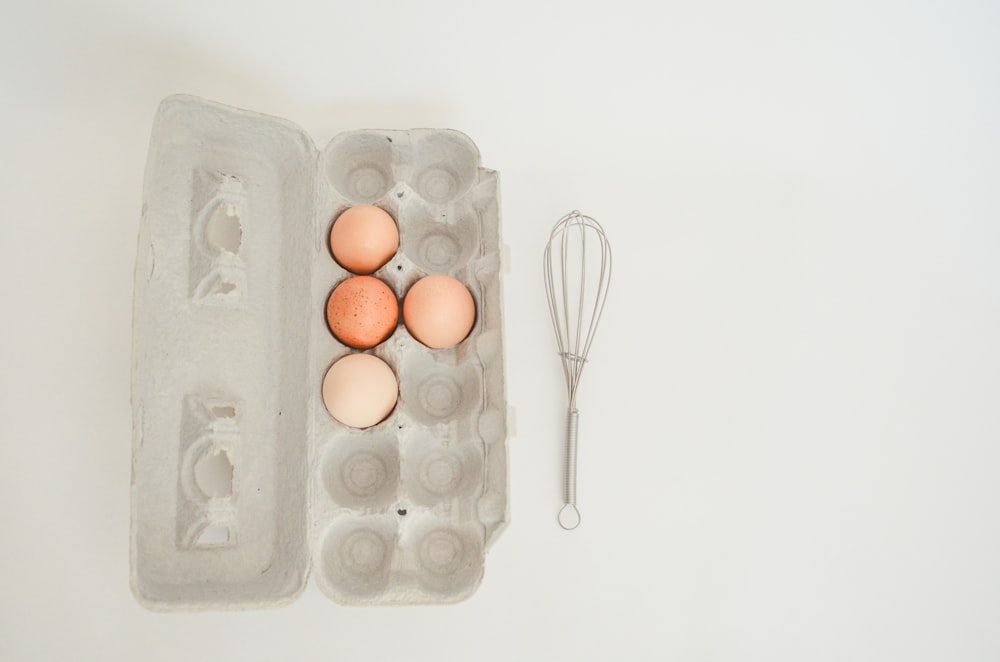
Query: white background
x=790 y=436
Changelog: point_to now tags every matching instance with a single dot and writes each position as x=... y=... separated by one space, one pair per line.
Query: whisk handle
x=569 y=516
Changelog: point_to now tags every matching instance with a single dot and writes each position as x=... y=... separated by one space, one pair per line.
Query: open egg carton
x=242 y=482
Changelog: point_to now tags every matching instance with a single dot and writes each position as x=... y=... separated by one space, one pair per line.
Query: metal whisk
x=579 y=244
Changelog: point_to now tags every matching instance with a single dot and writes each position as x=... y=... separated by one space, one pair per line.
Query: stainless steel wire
x=576 y=246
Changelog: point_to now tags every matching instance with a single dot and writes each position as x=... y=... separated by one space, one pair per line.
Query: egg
x=362 y=312
x=360 y=390
x=439 y=311
x=363 y=239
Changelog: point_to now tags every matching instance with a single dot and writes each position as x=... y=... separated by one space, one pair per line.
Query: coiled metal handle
x=569 y=516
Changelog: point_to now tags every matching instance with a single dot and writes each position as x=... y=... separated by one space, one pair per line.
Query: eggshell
x=360 y=390
x=362 y=312
x=364 y=238
x=439 y=311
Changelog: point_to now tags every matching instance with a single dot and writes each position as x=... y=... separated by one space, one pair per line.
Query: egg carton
x=242 y=483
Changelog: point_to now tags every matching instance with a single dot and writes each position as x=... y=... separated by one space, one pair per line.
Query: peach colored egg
x=360 y=390
x=362 y=312
x=364 y=238
x=439 y=311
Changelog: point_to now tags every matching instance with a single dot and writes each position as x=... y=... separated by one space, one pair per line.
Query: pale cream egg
x=360 y=390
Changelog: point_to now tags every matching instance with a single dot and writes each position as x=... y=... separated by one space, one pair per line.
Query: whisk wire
x=571 y=330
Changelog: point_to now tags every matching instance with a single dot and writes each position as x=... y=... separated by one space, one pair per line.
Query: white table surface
x=790 y=432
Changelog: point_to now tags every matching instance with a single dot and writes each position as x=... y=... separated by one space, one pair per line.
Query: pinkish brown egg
x=363 y=239
x=439 y=311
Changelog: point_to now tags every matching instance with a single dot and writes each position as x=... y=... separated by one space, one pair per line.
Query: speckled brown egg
x=362 y=312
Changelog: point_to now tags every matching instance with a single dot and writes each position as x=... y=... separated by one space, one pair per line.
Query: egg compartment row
x=438 y=165
x=428 y=557
x=431 y=242
x=435 y=385
x=400 y=463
